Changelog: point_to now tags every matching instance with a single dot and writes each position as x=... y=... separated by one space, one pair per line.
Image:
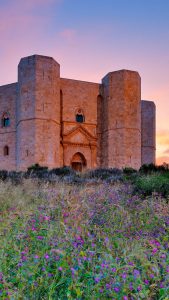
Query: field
x=91 y=239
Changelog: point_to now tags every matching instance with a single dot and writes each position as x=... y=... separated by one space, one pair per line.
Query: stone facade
x=59 y=122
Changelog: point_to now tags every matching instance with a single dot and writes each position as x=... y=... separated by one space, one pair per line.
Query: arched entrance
x=78 y=162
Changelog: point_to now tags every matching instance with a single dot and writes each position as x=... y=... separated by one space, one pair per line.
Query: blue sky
x=91 y=38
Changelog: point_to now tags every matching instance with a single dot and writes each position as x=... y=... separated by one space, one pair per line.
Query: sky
x=90 y=38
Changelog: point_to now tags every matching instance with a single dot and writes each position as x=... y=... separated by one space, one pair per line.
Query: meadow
x=104 y=235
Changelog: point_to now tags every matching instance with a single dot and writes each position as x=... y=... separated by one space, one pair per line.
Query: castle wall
x=79 y=95
x=122 y=120
x=8 y=96
x=38 y=112
x=118 y=129
x=148 y=141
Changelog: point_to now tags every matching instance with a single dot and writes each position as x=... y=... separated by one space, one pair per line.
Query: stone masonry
x=59 y=122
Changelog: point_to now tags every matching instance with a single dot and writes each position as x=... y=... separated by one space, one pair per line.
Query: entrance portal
x=78 y=162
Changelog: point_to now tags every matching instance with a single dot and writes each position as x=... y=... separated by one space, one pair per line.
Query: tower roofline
x=38 y=56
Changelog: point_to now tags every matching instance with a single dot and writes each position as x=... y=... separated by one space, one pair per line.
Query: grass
x=96 y=240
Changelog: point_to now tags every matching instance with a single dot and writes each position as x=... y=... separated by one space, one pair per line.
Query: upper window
x=5 y=120
x=80 y=116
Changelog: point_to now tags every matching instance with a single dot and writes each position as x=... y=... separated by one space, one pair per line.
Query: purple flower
x=125 y=298
x=136 y=273
x=154 y=250
x=97 y=279
x=124 y=275
x=139 y=288
x=46 y=218
x=46 y=256
x=146 y=281
x=116 y=289
x=40 y=237
x=113 y=270
x=108 y=286
x=60 y=269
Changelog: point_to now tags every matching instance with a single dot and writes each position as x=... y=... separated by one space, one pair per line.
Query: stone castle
x=59 y=122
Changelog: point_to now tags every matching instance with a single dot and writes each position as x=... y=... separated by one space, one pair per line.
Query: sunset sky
x=90 y=38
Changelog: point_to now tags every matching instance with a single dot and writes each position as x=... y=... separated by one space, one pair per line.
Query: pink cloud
x=68 y=34
x=162 y=159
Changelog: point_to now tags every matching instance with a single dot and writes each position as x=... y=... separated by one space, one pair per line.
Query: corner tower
x=38 y=112
x=121 y=132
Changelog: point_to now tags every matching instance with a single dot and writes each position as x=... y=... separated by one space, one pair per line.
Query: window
x=5 y=120
x=80 y=116
x=6 y=151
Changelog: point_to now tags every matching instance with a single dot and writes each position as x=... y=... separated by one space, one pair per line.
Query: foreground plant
x=91 y=242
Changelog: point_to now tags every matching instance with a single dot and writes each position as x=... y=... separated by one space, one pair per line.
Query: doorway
x=78 y=162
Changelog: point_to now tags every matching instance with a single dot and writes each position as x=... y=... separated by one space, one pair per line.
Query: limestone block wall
x=148 y=141
x=8 y=96
x=118 y=128
x=122 y=119
x=38 y=112
x=79 y=95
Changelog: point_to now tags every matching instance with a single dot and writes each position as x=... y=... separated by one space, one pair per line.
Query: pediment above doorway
x=79 y=135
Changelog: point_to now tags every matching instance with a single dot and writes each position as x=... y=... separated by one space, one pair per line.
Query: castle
x=59 y=122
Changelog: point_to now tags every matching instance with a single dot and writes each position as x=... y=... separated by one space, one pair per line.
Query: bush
x=3 y=175
x=151 y=168
x=129 y=171
x=148 y=184
x=63 y=171
x=102 y=173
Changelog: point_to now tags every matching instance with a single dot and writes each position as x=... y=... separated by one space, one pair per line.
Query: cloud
x=163 y=137
x=23 y=30
x=68 y=34
x=162 y=159
x=166 y=151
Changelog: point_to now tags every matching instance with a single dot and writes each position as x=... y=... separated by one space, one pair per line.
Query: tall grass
x=90 y=241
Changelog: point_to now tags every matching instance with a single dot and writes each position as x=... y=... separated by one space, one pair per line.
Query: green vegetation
x=101 y=235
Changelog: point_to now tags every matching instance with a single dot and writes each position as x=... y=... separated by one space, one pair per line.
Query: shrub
x=3 y=175
x=150 y=168
x=63 y=171
x=102 y=173
x=148 y=184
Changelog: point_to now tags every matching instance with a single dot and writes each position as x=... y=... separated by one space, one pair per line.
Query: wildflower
x=60 y=269
x=139 y=288
x=151 y=275
x=97 y=279
x=113 y=270
x=40 y=237
x=146 y=281
x=108 y=286
x=124 y=275
x=36 y=256
x=20 y=264
x=46 y=256
x=116 y=289
x=46 y=218
x=136 y=273
x=154 y=250
x=131 y=286
x=125 y=298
